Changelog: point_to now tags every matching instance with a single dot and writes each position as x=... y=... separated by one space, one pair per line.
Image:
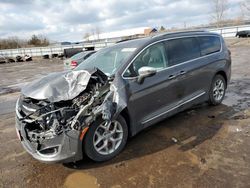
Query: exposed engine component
x=45 y=120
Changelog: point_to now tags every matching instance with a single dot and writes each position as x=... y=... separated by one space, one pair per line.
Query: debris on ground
x=174 y=140
x=211 y=116
x=27 y=58
x=19 y=58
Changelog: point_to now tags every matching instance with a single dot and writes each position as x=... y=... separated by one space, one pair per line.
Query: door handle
x=182 y=72
x=172 y=76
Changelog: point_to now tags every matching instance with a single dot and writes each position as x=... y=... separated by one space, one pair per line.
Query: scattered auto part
x=11 y=60
x=19 y=58
x=61 y=55
x=27 y=58
x=54 y=55
x=46 y=56
x=3 y=59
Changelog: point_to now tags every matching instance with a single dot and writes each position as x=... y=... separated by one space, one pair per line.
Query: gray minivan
x=119 y=91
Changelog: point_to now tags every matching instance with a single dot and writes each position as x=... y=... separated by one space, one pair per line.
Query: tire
x=217 y=91
x=91 y=137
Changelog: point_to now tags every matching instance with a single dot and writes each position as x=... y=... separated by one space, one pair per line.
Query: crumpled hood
x=58 y=86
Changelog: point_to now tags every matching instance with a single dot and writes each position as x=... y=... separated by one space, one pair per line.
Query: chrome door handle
x=172 y=76
x=182 y=72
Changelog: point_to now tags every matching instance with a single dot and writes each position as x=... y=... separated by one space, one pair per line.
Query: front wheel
x=217 y=90
x=105 y=140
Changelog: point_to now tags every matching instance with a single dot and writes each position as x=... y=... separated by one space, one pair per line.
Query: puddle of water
x=81 y=180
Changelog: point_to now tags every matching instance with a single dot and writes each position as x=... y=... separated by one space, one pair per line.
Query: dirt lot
x=202 y=147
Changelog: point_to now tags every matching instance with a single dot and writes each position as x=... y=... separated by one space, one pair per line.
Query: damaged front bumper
x=62 y=148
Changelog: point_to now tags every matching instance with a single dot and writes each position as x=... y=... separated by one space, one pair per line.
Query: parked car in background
x=75 y=60
x=119 y=91
x=243 y=34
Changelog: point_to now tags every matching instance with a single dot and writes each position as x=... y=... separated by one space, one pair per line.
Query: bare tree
x=38 y=40
x=219 y=8
x=162 y=29
x=86 y=36
x=12 y=42
x=245 y=8
x=94 y=33
x=97 y=31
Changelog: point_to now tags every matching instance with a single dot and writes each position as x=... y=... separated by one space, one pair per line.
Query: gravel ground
x=201 y=147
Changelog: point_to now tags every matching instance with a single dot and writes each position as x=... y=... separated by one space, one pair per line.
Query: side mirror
x=146 y=72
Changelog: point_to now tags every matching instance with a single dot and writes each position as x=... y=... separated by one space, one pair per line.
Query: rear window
x=78 y=56
x=181 y=50
x=209 y=45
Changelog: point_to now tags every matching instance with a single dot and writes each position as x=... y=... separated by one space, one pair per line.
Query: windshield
x=108 y=60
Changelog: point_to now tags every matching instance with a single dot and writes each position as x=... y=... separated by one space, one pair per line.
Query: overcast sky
x=69 y=20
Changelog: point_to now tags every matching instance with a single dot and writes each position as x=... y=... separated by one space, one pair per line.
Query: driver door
x=156 y=94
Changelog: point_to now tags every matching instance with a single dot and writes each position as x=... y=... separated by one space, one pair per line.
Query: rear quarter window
x=209 y=44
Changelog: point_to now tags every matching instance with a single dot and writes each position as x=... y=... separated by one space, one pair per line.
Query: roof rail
x=134 y=38
x=177 y=32
x=124 y=40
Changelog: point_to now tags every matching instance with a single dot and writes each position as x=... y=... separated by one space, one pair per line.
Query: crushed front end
x=52 y=130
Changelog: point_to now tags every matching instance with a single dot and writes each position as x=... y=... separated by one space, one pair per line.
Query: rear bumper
x=63 y=148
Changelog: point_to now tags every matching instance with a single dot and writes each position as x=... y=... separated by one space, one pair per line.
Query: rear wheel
x=217 y=90
x=105 y=140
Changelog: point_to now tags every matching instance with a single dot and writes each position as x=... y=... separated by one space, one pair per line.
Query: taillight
x=73 y=64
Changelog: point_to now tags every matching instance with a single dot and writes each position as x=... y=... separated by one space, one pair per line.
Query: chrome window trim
x=175 y=107
x=163 y=40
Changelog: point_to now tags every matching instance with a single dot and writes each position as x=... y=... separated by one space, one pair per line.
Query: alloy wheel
x=108 y=137
x=218 y=90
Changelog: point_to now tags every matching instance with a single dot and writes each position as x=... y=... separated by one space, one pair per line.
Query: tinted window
x=181 y=50
x=153 y=56
x=78 y=56
x=209 y=44
x=87 y=55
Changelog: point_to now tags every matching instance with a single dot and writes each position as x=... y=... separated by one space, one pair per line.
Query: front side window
x=183 y=49
x=154 y=56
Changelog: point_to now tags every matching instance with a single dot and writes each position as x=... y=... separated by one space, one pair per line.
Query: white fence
x=230 y=31
x=40 y=51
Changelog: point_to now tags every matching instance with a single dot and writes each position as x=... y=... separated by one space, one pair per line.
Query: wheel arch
x=222 y=73
x=125 y=114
